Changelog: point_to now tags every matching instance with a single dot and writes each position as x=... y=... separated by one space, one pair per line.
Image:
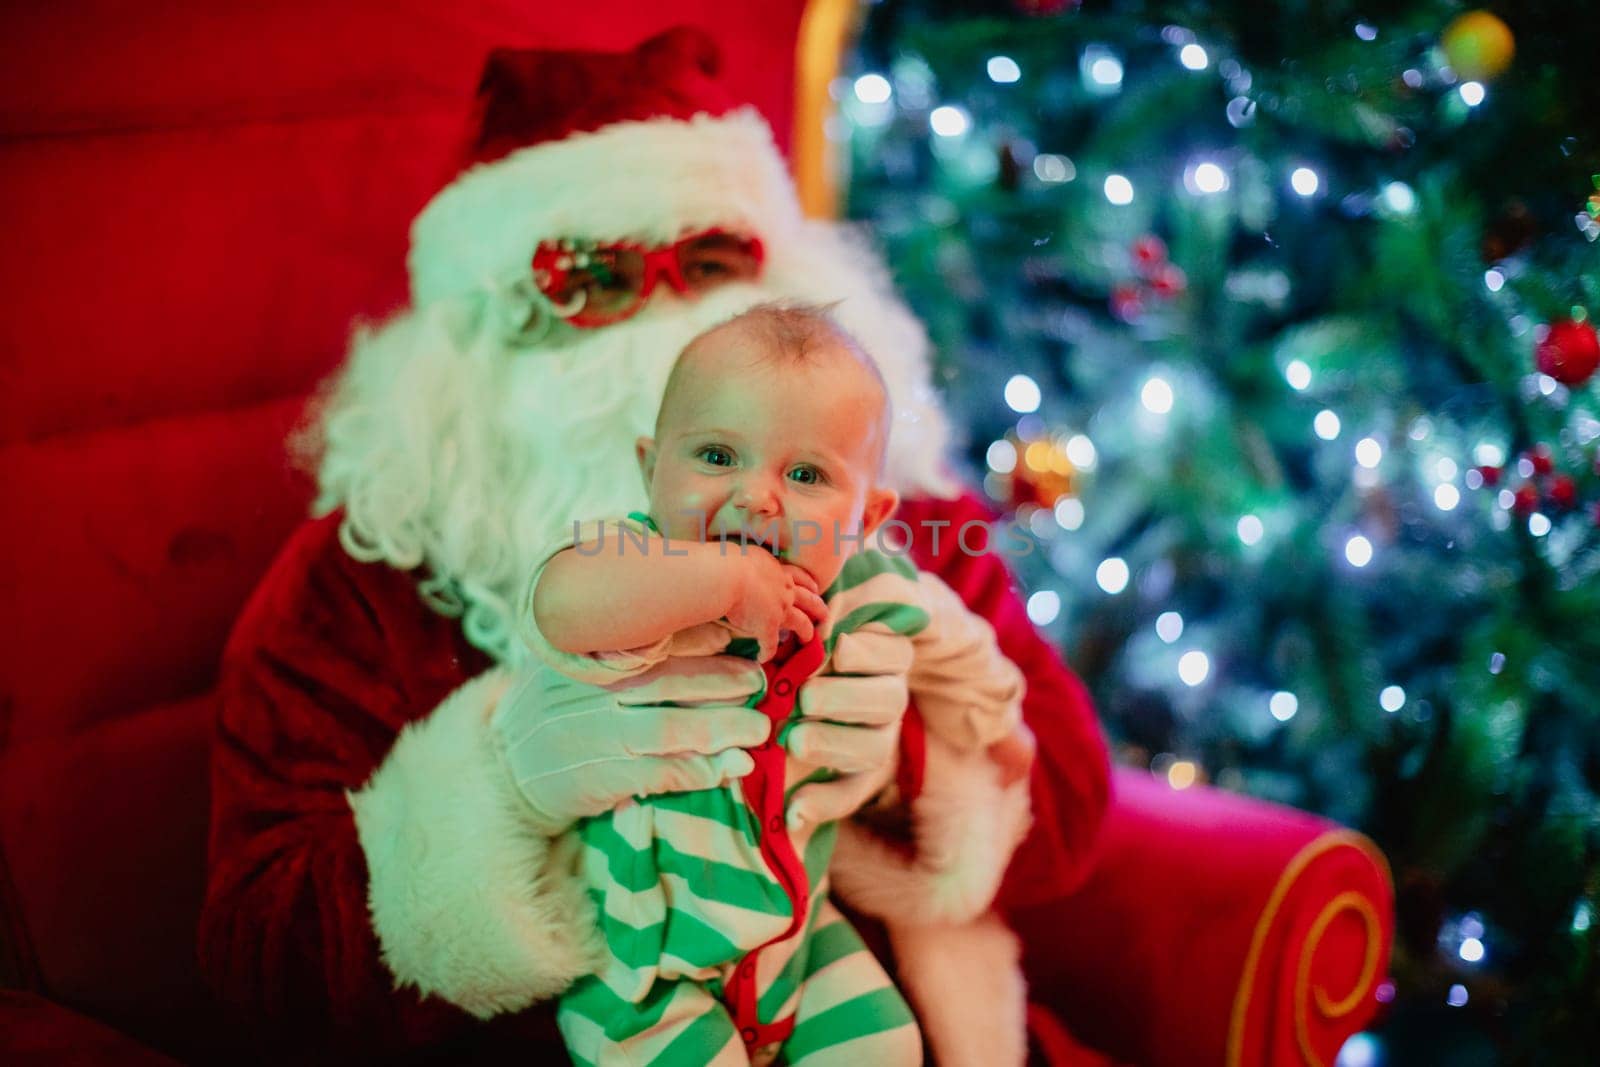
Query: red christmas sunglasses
x=595 y=284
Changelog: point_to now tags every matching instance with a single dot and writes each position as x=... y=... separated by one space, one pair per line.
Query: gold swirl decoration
x=1348 y=901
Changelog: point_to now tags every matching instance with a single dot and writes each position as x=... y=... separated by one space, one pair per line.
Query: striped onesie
x=722 y=946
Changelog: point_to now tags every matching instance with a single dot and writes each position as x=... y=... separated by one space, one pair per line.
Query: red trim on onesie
x=764 y=792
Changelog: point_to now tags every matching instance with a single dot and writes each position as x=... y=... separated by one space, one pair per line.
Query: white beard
x=447 y=447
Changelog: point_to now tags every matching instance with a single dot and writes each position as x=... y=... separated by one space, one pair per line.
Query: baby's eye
x=717 y=456
x=807 y=475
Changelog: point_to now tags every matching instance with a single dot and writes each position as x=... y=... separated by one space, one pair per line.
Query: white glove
x=852 y=725
x=576 y=750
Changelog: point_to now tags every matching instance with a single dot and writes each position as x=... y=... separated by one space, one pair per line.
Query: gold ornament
x=1478 y=45
x=1043 y=474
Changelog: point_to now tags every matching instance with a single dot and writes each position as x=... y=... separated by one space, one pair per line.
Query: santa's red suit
x=374 y=885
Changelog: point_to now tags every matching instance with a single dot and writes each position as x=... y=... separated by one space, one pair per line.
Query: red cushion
x=105 y=835
x=203 y=198
x=40 y=1033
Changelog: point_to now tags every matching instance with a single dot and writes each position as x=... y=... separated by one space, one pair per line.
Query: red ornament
x=1569 y=353
x=1149 y=252
x=1563 y=491
x=1169 y=281
x=1490 y=476
x=1526 y=502
x=1541 y=460
x=1044 y=7
x=1126 y=303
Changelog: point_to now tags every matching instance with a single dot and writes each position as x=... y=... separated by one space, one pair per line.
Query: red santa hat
x=645 y=145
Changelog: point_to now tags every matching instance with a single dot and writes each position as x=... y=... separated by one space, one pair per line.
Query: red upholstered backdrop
x=199 y=200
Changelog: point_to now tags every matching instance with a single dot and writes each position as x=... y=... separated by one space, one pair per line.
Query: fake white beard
x=451 y=449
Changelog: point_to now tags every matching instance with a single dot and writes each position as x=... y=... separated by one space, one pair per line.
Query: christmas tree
x=1272 y=324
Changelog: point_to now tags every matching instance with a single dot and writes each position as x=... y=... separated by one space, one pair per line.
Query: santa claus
x=379 y=880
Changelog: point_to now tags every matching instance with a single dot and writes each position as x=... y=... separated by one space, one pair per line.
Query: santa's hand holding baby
x=377 y=876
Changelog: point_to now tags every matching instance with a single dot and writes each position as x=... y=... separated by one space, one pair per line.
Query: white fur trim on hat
x=467 y=902
x=650 y=181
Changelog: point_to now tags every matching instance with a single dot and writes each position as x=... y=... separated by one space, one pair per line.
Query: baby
x=763 y=487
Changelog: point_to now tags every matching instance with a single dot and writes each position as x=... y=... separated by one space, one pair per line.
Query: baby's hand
x=773 y=596
x=1013 y=754
x=807 y=597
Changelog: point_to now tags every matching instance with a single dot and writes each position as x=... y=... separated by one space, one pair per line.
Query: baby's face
x=785 y=454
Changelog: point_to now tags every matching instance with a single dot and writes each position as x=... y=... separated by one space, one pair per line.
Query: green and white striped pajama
x=721 y=944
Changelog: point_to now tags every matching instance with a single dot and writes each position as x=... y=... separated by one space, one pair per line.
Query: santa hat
x=645 y=145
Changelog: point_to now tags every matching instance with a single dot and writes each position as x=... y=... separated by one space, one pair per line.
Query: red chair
x=200 y=204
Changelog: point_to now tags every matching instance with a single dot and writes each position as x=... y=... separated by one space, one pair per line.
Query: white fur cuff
x=467 y=903
x=965 y=828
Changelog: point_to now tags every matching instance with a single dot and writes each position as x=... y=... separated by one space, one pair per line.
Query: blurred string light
x=1392 y=699
x=1457 y=997
x=1156 y=395
x=1101 y=69
x=1472 y=93
x=1069 y=513
x=1048 y=167
x=1399 y=197
x=1471 y=950
x=873 y=89
x=1446 y=470
x=1002 y=456
x=1538 y=524
x=1119 y=190
x=1360 y=1050
x=1182 y=774
x=1488 y=455
x=1326 y=424
x=1022 y=394
x=1003 y=70
x=1193 y=667
x=1298 y=375
x=1250 y=529
x=1582 y=917
x=1446 y=497
x=1081 y=451
x=1305 y=181
x=1369 y=453
x=1193 y=57
x=1169 y=626
x=1358 y=550
x=1112 y=575
x=1283 y=705
x=1505 y=498
x=1493 y=280
x=1205 y=178
x=1366 y=31
x=949 y=120
x=1044 y=606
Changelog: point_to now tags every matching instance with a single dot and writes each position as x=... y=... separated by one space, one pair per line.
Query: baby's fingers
x=801 y=577
x=797 y=622
x=810 y=603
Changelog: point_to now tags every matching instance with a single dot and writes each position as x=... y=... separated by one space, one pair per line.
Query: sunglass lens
x=714 y=258
x=609 y=284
